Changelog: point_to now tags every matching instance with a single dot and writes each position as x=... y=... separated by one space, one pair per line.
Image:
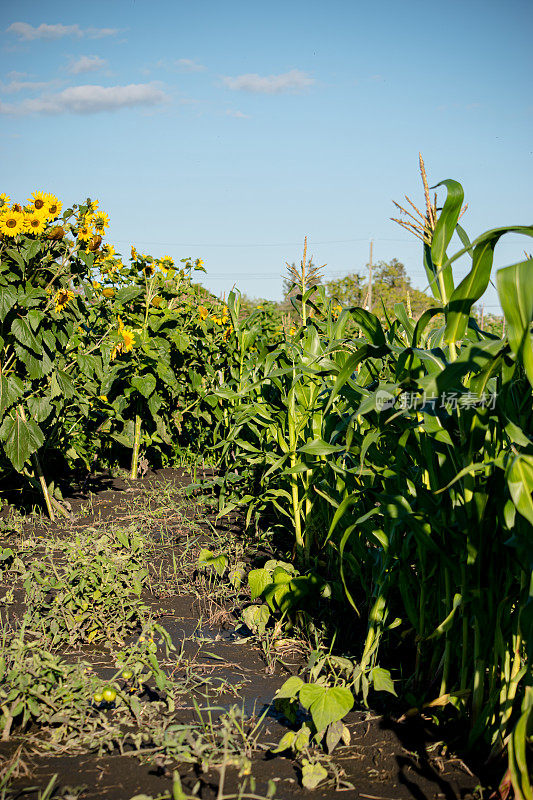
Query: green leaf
x=313 y=773
x=370 y=324
x=23 y=333
x=11 y=389
x=256 y=618
x=515 y=288
x=382 y=680
x=145 y=384
x=519 y=475
x=208 y=559
x=473 y=285
x=444 y=230
x=290 y=688
x=39 y=407
x=319 y=447
x=128 y=293
x=8 y=298
x=326 y=704
x=258 y=580
x=62 y=385
x=21 y=438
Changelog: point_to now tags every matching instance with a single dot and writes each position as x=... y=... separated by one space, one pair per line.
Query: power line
x=262 y=244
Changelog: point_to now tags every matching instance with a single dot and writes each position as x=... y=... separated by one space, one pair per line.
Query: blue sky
x=229 y=131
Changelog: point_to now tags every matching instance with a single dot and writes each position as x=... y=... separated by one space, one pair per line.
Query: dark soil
x=386 y=759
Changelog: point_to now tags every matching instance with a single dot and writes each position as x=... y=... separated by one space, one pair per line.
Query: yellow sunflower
x=108 y=251
x=11 y=223
x=62 y=299
x=34 y=222
x=38 y=201
x=85 y=231
x=4 y=202
x=100 y=221
x=129 y=338
x=149 y=270
x=133 y=253
x=165 y=264
x=203 y=313
x=52 y=206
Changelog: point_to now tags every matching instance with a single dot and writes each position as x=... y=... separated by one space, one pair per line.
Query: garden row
x=397 y=456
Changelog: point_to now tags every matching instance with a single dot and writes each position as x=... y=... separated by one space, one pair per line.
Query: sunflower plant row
x=99 y=355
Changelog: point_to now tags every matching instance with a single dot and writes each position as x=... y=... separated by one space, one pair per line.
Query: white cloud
x=237 y=114
x=89 y=100
x=187 y=65
x=86 y=64
x=21 y=86
x=29 y=33
x=293 y=81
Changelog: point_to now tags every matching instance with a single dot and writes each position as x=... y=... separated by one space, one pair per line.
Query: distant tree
x=390 y=284
x=348 y=291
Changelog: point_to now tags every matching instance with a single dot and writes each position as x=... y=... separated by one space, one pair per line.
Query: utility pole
x=370 y=278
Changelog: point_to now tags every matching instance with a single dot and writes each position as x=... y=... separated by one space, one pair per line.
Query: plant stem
x=136 y=445
x=40 y=475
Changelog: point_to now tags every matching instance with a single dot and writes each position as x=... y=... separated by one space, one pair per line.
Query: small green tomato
x=109 y=694
x=127 y=674
x=98 y=697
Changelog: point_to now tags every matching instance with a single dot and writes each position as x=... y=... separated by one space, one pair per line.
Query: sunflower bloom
x=165 y=264
x=133 y=253
x=52 y=206
x=203 y=313
x=62 y=299
x=38 y=201
x=129 y=338
x=34 y=222
x=85 y=231
x=11 y=223
x=100 y=221
x=4 y=202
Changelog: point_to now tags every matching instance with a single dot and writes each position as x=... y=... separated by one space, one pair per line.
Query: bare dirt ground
x=385 y=760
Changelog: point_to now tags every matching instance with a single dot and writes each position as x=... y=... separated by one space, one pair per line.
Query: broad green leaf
x=442 y=235
x=21 y=439
x=256 y=618
x=128 y=293
x=258 y=580
x=24 y=334
x=515 y=288
x=11 y=389
x=290 y=688
x=207 y=558
x=145 y=384
x=313 y=773
x=40 y=408
x=382 y=680
x=326 y=704
x=319 y=448
x=473 y=285
x=519 y=475
x=370 y=324
x=8 y=298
